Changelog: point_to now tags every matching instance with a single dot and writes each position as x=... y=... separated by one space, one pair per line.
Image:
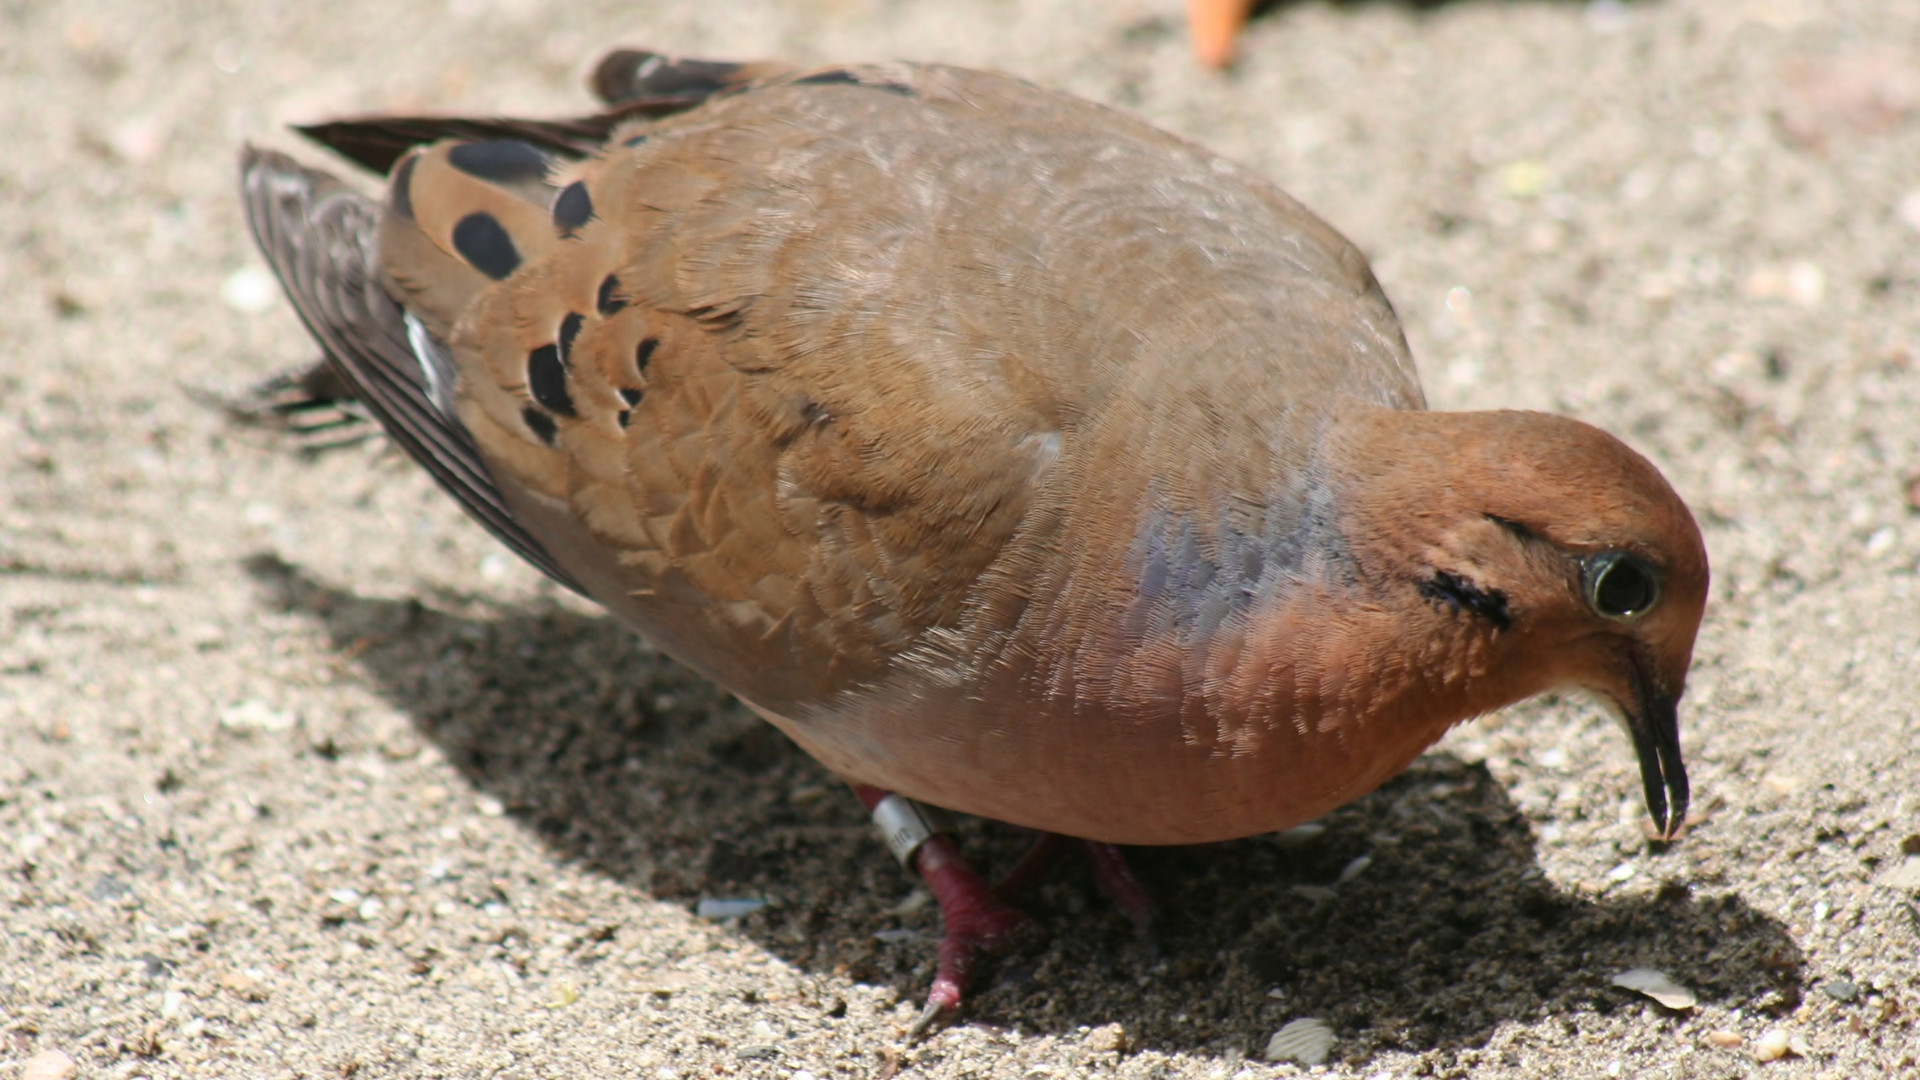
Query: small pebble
x=1840 y=990
x=1908 y=209
x=1107 y=1039
x=1772 y=1046
x=913 y=902
x=1726 y=1040
x=256 y=715
x=251 y=289
x=50 y=1065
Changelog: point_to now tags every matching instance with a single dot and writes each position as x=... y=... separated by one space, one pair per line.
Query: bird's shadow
x=618 y=759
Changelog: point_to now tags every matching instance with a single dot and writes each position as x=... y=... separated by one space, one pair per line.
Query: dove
x=1013 y=457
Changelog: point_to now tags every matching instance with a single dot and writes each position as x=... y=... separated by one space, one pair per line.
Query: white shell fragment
x=1300 y=835
x=1307 y=1040
x=49 y=1065
x=1657 y=985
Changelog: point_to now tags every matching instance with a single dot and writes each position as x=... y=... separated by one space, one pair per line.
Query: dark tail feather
x=318 y=235
x=376 y=142
x=635 y=83
x=640 y=78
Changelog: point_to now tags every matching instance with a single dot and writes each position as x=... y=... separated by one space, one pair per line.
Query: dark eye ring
x=1619 y=585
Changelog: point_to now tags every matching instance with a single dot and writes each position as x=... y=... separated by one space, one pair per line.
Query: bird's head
x=1562 y=549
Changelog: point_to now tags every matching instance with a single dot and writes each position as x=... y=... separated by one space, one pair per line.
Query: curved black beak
x=1654 y=721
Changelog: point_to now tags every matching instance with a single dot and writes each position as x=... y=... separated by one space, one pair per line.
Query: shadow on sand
x=621 y=760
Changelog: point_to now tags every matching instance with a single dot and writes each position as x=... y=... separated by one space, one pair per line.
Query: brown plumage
x=1002 y=450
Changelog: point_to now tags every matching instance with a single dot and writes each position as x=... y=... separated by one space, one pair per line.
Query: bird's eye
x=1620 y=586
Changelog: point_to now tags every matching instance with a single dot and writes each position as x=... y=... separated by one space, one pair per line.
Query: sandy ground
x=301 y=776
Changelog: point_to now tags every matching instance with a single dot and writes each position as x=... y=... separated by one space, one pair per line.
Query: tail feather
x=641 y=78
x=636 y=84
x=319 y=237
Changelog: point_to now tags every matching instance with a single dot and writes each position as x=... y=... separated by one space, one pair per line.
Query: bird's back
x=782 y=378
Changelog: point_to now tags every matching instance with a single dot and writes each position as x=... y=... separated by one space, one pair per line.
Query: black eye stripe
x=1514 y=528
x=1459 y=594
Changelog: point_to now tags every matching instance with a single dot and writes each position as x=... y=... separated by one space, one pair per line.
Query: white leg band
x=905 y=825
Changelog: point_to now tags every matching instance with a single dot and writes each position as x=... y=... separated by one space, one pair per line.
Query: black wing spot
x=608 y=300
x=1460 y=594
x=573 y=208
x=540 y=424
x=569 y=329
x=400 y=195
x=481 y=241
x=643 y=354
x=499 y=161
x=547 y=380
x=631 y=396
x=843 y=77
x=625 y=417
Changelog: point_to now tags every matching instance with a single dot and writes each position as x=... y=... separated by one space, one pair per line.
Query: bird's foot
x=978 y=919
x=977 y=923
x=1110 y=872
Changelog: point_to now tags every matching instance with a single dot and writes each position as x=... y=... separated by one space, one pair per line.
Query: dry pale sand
x=302 y=776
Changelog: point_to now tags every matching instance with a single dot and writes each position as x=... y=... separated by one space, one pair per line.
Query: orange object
x=1214 y=24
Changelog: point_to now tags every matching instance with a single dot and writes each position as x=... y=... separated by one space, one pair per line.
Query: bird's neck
x=1339 y=603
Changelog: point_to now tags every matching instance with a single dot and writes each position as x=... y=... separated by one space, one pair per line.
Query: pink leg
x=976 y=921
x=1122 y=886
x=1110 y=872
x=1037 y=863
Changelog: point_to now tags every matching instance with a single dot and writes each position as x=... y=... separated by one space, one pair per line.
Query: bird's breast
x=1198 y=679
